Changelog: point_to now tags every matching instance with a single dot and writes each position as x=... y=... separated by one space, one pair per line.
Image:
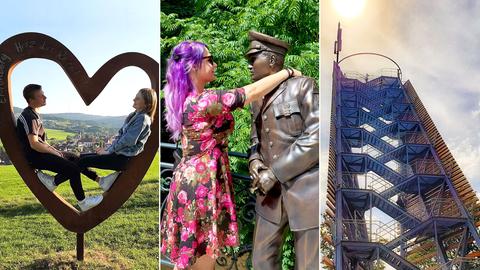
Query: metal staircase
x=395 y=260
x=384 y=161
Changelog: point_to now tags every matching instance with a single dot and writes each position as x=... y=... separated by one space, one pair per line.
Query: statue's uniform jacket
x=285 y=136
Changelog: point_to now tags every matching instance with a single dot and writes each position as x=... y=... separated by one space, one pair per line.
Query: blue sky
x=94 y=31
x=436 y=44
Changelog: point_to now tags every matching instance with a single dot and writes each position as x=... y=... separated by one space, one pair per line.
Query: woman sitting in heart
x=200 y=216
x=128 y=143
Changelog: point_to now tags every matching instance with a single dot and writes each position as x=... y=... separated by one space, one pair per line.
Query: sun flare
x=349 y=8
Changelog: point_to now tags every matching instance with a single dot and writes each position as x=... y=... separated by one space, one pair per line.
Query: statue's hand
x=266 y=180
x=255 y=167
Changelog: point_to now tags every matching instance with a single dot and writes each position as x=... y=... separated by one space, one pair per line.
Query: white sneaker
x=47 y=180
x=90 y=202
x=106 y=182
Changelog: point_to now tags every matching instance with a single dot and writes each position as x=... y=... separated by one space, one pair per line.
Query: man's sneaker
x=106 y=182
x=90 y=202
x=47 y=180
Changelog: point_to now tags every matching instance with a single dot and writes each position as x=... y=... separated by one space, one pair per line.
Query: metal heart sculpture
x=35 y=45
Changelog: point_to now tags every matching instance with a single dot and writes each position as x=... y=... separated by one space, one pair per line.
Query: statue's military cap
x=261 y=42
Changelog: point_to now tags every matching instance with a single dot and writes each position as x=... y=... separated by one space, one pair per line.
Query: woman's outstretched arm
x=262 y=87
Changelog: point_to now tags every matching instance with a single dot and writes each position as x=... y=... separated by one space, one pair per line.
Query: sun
x=349 y=8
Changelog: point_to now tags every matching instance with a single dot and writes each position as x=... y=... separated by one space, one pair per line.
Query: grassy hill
x=54 y=134
x=114 y=121
x=59 y=135
x=30 y=238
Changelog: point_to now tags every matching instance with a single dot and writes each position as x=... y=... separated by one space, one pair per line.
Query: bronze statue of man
x=284 y=160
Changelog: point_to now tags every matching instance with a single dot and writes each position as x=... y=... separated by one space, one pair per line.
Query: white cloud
x=476 y=112
x=467 y=155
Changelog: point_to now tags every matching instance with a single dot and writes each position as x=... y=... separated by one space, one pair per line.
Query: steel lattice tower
x=387 y=161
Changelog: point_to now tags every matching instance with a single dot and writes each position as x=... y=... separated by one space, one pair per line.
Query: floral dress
x=200 y=213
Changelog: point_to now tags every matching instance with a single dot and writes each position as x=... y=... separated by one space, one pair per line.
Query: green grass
x=56 y=134
x=30 y=238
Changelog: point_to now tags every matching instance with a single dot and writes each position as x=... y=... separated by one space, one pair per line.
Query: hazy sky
x=94 y=31
x=436 y=44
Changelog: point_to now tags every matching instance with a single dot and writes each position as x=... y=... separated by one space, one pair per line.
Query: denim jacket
x=132 y=136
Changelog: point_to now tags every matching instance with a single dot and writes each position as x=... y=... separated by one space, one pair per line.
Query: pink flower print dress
x=200 y=213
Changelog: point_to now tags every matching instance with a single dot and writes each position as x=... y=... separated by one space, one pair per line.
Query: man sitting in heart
x=129 y=142
x=43 y=156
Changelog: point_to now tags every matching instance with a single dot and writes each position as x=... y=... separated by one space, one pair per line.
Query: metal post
x=371 y=222
x=80 y=246
x=338 y=42
x=365 y=180
x=339 y=181
x=462 y=249
x=442 y=255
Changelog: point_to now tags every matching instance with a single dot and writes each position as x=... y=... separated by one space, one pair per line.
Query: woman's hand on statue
x=296 y=73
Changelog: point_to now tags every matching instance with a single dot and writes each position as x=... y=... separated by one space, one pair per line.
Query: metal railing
x=425 y=166
x=368 y=180
x=459 y=263
x=372 y=230
x=384 y=72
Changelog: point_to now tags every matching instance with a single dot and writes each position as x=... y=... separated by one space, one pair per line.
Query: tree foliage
x=223 y=25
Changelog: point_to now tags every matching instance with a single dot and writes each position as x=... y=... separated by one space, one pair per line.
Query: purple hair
x=185 y=56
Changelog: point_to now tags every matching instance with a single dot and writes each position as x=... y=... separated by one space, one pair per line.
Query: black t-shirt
x=29 y=122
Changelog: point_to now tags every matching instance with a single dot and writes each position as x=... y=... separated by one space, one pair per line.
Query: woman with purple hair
x=200 y=216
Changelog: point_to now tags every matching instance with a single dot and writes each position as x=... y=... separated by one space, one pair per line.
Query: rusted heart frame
x=35 y=45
